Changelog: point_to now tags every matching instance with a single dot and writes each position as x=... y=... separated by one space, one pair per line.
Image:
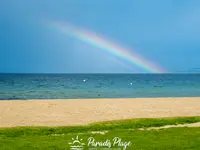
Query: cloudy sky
x=165 y=33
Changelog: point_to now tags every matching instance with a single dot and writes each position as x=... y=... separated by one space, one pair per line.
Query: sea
x=84 y=86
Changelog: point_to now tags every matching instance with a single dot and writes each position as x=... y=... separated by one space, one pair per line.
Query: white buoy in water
x=84 y=80
x=131 y=83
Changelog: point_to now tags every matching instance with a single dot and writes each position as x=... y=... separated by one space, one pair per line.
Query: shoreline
x=70 y=112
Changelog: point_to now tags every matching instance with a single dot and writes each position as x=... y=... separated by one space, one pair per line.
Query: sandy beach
x=84 y=111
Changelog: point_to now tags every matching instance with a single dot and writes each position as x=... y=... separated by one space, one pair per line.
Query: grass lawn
x=58 y=138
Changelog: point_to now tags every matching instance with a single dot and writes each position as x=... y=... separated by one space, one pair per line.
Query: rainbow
x=120 y=52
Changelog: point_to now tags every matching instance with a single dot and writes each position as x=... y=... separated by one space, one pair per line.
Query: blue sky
x=165 y=32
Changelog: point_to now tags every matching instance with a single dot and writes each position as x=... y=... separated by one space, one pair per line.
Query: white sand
x=82 y=111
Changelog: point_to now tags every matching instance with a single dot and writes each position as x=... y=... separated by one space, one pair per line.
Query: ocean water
x=66 y=86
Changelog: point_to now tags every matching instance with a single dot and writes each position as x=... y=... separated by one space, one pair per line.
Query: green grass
x=57 y=138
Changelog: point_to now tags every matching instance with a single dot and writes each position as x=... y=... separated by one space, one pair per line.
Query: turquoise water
x=64 y=86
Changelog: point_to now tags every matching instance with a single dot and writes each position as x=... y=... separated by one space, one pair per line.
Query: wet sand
x=84 y=111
